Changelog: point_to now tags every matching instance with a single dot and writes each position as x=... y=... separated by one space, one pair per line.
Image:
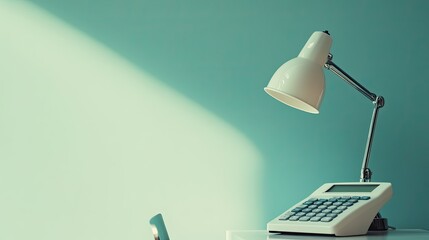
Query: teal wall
x=220 y=55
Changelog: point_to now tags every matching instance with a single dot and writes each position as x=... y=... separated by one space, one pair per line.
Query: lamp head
x=300 y=82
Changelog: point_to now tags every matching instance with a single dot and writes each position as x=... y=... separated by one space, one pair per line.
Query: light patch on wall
x=91 y=146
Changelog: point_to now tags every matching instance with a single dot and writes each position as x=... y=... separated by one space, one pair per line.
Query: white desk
x=403 y=234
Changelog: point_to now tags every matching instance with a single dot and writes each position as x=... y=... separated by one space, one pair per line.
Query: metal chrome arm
x=378 y=102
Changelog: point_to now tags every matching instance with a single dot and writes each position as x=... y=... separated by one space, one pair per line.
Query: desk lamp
x=300 y=83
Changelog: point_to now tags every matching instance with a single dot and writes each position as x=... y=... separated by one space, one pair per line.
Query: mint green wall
x=92 y=146
x=220 y=54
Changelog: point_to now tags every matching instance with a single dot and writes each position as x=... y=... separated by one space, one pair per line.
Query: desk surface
x=412 y=234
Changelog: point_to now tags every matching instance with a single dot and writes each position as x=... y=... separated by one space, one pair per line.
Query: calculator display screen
x=352 y=188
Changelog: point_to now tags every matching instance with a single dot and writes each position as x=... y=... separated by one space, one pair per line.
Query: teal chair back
x=159 y=229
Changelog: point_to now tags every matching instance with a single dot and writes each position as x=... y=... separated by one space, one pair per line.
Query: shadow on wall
x=91 y=147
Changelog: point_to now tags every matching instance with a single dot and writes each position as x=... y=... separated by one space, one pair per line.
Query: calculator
x=340 y=209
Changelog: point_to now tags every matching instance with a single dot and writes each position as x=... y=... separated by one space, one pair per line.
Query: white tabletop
x=412 y=234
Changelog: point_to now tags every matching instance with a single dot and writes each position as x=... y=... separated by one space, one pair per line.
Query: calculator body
x=340 y=209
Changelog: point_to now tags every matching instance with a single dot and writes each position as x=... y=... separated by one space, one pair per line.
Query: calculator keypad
x=321 y=209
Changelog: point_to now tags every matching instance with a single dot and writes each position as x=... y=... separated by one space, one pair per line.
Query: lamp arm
x=378 y=102
x=346 y=77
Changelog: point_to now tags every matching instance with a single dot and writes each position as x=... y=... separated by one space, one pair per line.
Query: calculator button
x=323 y=199
x=310 y=214
x=365 y=198
x=318 y=202
x=296 y=210
x=353 y=200
x=327 y=203
x=320 y=214
x=326 y=211
x=299 y=214
x=286 y=216
x=332 y=215
x=294 y=218
x=332 y=207
x=306 y=210
x=337 y=203
x=316 y=210
x=348 y=204
x=304 y=218
x=346 y=197
x=308 y=202
x=322 y=206
x=315 y=219
x=334 y=199
x=342 y=208
x=337 y=211
x=312 y=199
x=312 y=206
x=326 y=219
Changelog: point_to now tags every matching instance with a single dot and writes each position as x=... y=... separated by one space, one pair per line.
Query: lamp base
x=379 y=224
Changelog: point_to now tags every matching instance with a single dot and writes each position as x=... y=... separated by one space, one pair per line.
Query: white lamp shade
x=300 y=82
